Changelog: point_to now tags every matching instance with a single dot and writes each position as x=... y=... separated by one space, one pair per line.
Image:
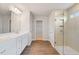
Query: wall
x=51 y=27
x=25 y=21
x=15 y=22
x=32 y=25
x=20 y=22
x=72 y=29
x=31 y=29
x=45 y=26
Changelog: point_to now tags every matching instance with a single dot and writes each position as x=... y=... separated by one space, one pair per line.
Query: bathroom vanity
x=13 y=43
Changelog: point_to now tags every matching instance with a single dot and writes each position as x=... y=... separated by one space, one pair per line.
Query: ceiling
x=42 y=9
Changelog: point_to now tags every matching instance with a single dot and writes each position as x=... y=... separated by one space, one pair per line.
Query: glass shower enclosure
x=66 y=34
x=59 y=33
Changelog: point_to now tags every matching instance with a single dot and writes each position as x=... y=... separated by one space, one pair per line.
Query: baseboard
x=52 y=44
x=29 y=43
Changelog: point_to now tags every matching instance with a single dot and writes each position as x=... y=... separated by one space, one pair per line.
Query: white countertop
x=7 y=36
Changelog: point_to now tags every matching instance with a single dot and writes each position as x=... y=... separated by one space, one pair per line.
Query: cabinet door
x=9 y=47
x=24 y=41
x=18 y=45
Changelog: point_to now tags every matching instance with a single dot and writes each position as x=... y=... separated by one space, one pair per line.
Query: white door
x=39 y=30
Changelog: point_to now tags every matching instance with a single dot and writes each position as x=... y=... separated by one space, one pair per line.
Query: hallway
x=40 y=47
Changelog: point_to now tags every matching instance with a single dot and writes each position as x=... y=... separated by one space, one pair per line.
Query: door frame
x=42 y=28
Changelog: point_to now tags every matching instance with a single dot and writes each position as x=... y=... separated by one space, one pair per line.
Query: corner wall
x=51 y=27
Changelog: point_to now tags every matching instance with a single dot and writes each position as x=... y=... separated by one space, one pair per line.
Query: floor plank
x=40 y=47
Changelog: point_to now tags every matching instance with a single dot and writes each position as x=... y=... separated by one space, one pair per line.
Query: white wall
x=44 y=19
x=33 y=29
x=30 y=28
x=25 y=22
x=51 y=27
x=15 y=22
x=72 y=29
x=20 y=22
x=31 y=25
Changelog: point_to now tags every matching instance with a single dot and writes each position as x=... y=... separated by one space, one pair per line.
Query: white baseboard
x=52 y=43
x=29 y=43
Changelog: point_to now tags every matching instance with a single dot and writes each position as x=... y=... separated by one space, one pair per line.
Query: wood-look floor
x=40 y=47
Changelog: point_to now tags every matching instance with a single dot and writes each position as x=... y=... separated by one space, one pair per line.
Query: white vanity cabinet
x=8 y=47
x=24 y=41
x=21 y=43
x=14 y=45
x=2 y=51
x=18 y=45
x=11 y=47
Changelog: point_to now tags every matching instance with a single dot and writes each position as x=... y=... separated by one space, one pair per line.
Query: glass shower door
x=59 y=35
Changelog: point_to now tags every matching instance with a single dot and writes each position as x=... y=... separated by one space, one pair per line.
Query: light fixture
x=15 y=10
x=71 y=16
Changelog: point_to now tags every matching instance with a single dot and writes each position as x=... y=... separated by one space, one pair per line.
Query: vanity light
x=15 y=10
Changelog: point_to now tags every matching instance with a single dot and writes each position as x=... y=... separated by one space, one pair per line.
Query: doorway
x=39 y=30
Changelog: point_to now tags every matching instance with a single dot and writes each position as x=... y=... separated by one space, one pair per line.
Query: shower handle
x=55 y=42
